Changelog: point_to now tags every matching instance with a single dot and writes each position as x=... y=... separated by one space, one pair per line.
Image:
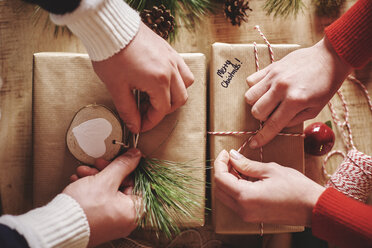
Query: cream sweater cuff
x=61 y=223
x=104 y=26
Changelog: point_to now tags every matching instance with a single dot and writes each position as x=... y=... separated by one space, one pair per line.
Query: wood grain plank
x=19 y=39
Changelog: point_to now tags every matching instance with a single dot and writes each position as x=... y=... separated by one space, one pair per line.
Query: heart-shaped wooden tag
x=92 y=133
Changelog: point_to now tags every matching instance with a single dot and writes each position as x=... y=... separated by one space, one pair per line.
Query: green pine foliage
x=168 y=194
x=283 y=7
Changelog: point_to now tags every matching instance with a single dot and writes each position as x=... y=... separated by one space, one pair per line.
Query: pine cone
x=159 y=19
x=330 y=8
x=236 y=11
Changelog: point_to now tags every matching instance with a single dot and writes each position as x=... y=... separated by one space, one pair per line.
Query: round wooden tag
x=92 y=132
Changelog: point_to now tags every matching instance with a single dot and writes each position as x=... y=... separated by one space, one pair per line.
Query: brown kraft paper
x=231 y=65
x=65 y=82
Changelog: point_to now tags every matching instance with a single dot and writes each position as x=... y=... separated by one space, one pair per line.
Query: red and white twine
x=256 y=56
x=267 y=43
x=353 y=176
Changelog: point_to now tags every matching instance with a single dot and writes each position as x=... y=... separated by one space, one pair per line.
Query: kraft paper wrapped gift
x=231 y=65
x=64 y=83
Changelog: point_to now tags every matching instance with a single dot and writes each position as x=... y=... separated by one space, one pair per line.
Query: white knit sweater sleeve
x=104 y=26
x=61 y=223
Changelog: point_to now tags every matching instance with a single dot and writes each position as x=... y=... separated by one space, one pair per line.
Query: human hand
x=150 y=65
x=111 y=213
x=281 y=195
x=294 y=89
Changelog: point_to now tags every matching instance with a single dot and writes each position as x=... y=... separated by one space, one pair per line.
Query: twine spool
x=353 y=176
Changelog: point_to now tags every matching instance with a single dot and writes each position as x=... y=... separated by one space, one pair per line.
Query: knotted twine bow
x=252 y=133
x=353 y=176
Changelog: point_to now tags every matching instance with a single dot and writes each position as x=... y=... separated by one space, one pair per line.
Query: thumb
x=126 y=106
x=248 y=167
x=115 y=173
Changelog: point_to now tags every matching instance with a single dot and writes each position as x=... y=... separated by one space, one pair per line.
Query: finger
x=248 y=167
x=304 y=115
x=256 y=92
x=262 y=109
x=186 y=74
x=220 y=164
x=84 y=171
x=257 y=76
x=278 y=120
x=100 y=163
x=74 y=178
x=127 y=108
x=179 y=93
x=120 y=168
x=223 y=178
x=160 y=106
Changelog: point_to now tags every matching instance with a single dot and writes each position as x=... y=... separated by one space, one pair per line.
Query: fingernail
x=235 y=155
x=133 y=153
x=253 y=144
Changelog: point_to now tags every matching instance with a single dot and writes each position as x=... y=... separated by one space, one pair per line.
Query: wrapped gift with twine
x=64 y=83
x=232 y=125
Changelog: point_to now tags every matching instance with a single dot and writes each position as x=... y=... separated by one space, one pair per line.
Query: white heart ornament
x=92 y=132
x=91 y=136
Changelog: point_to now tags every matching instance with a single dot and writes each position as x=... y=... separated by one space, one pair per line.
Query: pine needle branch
x=168 y=195
x=283 y=7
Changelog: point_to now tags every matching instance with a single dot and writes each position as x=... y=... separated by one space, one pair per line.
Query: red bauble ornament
x=319 y=139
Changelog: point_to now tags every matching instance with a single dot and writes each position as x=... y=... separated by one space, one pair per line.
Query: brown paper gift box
x=65 y=82
x=231 y=64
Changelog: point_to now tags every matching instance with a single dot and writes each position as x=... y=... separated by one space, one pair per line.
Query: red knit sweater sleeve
x=351 y=34
x=342 y=221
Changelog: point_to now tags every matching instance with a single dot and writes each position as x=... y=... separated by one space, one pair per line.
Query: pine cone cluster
x=159 y=19
x=236 y=11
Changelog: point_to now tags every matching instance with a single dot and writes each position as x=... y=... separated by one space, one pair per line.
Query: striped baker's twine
x=254 y=132
x=257 y=69
x=267 y=43
x=256 y=56
x=347 y=134
x=348 y=168
x=364 y=90
x=344 y=126
x=261 y=123
x=246 y=142
x=353 y=176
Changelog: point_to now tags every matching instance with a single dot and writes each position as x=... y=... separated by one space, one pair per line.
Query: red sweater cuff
x=351 y=35
x=341 y=220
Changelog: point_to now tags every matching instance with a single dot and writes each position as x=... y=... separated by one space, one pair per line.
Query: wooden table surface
x=20 y=38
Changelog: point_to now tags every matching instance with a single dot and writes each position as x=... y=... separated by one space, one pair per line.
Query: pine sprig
x=283 y=7
x=168 y=195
